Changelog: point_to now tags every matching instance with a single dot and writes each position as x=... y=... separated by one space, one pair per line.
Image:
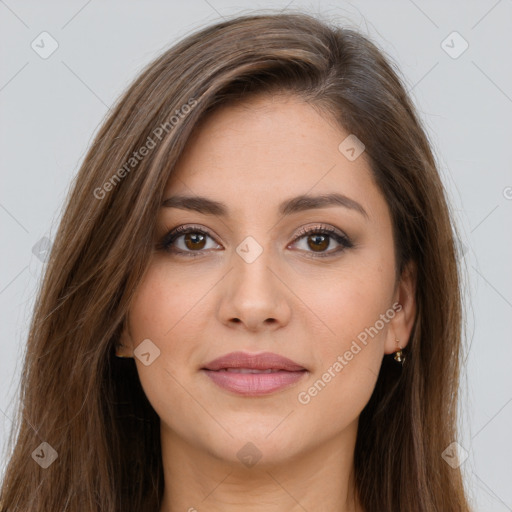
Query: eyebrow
x=297 y=204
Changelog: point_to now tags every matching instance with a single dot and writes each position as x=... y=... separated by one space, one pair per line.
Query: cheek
x=165 y=310
x=349 y=361
x=356 y=312
x=349 y=302
x=165 y=302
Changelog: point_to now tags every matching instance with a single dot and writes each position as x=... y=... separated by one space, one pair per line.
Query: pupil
x=323 y=245
x=194 y=239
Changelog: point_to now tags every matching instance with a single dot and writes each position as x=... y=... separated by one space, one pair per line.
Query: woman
x=252 y=301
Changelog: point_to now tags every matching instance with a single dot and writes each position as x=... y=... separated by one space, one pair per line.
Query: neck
x=321 y=479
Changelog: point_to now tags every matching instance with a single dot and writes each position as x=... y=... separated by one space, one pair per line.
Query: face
x=313 y=282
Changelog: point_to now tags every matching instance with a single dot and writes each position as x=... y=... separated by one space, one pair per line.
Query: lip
x=254 y=374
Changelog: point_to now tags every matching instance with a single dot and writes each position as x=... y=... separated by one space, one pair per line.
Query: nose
x=254 y=296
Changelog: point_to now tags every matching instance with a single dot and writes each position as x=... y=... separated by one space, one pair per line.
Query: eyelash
x=166 y=243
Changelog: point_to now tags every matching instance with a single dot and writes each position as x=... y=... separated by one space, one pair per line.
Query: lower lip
x=254 y=384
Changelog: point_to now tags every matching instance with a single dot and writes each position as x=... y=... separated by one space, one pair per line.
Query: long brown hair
x=89 y=406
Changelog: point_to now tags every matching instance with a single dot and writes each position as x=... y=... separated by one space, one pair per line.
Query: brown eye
x=186 y=240
x=194 y=240
x=318 y=242
x=318 y=239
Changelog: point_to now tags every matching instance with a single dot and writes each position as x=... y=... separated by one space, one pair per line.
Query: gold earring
x=399 y=355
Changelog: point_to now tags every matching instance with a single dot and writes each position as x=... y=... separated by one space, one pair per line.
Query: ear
x=404 y=304
x=124 y=347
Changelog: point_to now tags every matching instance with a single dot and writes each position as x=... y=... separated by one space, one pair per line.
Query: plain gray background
x=51 y=107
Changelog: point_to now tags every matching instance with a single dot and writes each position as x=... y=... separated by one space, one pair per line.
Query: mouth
x=254 y=374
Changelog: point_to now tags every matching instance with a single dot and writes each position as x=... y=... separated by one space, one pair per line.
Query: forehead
x=257 y=152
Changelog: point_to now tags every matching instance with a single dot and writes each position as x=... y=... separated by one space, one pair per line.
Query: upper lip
x=261 y=361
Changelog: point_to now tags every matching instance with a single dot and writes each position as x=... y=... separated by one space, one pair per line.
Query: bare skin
x=290 y=300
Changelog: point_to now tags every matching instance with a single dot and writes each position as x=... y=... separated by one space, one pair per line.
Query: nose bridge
x=253 y=295
x=252 y=262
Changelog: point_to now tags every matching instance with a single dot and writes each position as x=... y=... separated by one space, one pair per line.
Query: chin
x=253 y=443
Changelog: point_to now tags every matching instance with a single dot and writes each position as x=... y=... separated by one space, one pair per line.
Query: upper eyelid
x=298 y=232
x=183 y=229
